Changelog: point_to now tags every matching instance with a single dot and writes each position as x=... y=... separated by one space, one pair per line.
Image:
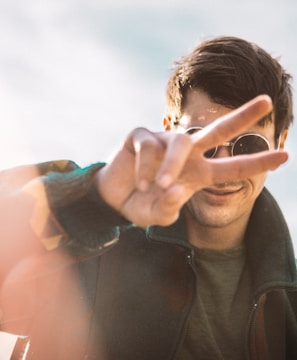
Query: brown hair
x=231 y=71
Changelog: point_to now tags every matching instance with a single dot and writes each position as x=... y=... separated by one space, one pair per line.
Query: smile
x=217 y=195
x=222 y=192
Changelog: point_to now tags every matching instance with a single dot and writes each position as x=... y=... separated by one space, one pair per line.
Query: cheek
x=257 y=182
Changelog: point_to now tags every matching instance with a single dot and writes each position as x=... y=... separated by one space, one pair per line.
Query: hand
x=154 y=174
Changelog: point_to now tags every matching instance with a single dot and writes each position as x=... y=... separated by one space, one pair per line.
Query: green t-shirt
x=217 y=326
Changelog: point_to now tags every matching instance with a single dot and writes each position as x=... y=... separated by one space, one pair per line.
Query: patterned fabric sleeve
x=89 y=225
x=54 y=205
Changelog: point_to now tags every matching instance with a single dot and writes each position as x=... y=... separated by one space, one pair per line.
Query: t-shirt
x=218 y=321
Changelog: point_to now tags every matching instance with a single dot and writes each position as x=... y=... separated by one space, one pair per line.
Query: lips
x=222 y=191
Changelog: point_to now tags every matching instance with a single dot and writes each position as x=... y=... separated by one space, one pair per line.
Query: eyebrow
x=266 y=119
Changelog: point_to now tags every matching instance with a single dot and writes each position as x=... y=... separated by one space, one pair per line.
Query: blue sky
x=77 y=76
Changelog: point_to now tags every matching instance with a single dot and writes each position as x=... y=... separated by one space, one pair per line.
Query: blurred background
x=77 y=75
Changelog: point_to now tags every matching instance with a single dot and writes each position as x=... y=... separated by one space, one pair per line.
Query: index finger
x=241 y=167
x=232 y=124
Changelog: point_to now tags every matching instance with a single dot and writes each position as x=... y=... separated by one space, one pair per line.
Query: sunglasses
x=245 y=144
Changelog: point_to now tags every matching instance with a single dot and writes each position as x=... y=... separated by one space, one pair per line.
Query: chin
x=216 y=217
x=215 y=222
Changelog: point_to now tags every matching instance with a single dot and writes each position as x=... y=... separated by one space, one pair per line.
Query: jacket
x=135 y=294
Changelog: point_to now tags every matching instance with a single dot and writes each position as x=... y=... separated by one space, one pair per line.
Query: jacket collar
x=269 y=246
x=173 y=234
x=270 y=250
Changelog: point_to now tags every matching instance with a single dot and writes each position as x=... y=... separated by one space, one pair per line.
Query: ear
x=167 y=125
x=282 y=139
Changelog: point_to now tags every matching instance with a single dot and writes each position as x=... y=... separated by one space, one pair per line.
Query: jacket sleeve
x=90 y=226
x=51 y=217
x=50 y=206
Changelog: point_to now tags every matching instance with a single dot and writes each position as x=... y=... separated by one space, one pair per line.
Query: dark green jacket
x=139 y=293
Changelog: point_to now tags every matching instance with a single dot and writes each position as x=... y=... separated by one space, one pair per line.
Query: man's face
x=221 y=205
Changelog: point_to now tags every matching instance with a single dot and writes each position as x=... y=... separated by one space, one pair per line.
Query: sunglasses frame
x=231 y=143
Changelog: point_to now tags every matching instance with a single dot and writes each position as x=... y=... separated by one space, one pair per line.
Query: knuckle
x=184 y=139
x=144 y=140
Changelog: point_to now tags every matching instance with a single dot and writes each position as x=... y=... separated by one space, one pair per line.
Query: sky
x=76 y=76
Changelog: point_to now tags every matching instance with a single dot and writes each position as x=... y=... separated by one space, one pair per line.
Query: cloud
x=69 y=89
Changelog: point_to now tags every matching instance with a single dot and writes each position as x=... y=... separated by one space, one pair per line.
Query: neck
x=216 y=238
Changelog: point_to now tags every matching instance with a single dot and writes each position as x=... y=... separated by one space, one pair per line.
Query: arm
x=45 y=212
x=53 y=206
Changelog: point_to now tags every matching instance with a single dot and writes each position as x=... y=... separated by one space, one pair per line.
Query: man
x=174 y=250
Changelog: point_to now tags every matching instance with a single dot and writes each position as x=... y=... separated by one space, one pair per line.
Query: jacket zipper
x=249 y=327
x=253 y=312
x=189 y=257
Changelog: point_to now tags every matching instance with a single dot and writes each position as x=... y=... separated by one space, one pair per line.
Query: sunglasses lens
x=250 y=144
x=193 y=130
x=210 y=153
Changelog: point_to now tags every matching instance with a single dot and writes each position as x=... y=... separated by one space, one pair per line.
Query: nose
x=223 y=151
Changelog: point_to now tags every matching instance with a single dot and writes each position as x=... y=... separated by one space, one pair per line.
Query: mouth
x=221 y=194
